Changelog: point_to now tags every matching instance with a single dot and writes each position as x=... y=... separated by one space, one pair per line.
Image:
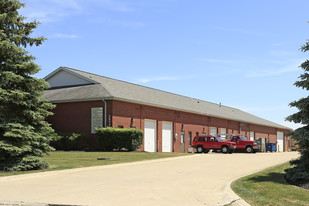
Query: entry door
x=150 y=136
x=167 y=137
x=182 y=142
x=251 y=135
x=280 y=141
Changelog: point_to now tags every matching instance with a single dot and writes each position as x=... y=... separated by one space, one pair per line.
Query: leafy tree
x=300 y=173
x=23 y=131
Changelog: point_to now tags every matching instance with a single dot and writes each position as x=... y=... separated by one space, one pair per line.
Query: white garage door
x=280 y=141
x=150 y=136
x=167 y=137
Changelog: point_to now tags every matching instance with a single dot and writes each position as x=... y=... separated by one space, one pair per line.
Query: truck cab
x=242 y=144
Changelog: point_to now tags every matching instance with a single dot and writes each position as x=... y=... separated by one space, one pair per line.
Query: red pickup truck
x=206 y=143
x=242 y=144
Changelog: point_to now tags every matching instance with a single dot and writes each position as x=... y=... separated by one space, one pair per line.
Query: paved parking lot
x=201 y=179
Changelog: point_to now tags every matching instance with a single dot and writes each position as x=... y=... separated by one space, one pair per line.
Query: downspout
x=240 y=124
x=105 y=111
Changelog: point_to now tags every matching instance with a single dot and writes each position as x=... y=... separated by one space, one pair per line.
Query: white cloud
x=274 y=110
x=265 y=73
x=243 y=31
x=50 y=10
x=163 y=78
x=127 y=24
x=63 y=36
x=291 y=125
x=282 y=53
x=219 y=61
x=146 y=80
x=115 y=5
x=264 y=109
x=54 y=10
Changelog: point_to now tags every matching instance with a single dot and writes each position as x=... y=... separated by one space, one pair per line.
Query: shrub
x=118 y=138
x=68 y=141
x=299 y=174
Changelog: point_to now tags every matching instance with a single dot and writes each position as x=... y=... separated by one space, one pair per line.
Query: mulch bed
x=304 y=185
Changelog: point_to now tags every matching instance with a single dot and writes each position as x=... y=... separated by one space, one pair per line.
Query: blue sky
x=244 y=54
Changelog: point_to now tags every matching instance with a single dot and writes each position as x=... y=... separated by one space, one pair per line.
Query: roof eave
x=163 y=107
x=190 y=111
x=74 y=100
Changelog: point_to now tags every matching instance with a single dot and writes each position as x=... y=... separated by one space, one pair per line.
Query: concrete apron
x=191 y=180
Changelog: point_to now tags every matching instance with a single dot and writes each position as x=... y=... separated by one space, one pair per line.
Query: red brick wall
x=123 y=112
x=76 y=117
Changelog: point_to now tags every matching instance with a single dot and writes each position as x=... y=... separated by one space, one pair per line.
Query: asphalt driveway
x=201 y=179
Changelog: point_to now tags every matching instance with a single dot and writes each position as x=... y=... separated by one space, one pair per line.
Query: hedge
x=111 y=138
x=69 y=141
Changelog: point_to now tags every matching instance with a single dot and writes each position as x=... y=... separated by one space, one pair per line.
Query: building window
x=197 y=134
x=96 y=118
x=204 y=134
x=223 y=133
x=120 y=126
x=213 y=131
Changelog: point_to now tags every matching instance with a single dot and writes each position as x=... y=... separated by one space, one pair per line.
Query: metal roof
x=103 y=87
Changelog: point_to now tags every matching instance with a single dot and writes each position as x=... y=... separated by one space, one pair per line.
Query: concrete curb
x=68 y=171
x=31 y=204
x=232 y=197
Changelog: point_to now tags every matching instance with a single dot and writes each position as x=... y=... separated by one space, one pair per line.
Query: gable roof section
x=109 y=89
x=64 y=77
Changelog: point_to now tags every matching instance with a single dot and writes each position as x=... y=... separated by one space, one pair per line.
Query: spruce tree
x=299 y=174
x=23 y=130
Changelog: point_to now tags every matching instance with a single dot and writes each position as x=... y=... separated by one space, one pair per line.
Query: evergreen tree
x=23 y=131
x=299 y=174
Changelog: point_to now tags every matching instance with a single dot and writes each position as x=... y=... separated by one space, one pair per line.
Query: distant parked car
x=207 y=143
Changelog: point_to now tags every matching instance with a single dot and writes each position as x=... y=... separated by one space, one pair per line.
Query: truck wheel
x=225 y=149
x=200 y=149
x=249 y=149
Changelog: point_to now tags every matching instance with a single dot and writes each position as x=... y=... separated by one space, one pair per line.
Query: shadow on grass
x=274 y=177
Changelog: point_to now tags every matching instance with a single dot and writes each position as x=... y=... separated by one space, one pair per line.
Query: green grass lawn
x=69 y=160
x=269 y=187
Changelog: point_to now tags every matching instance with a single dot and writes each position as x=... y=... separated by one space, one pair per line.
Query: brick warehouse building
x=85 y=101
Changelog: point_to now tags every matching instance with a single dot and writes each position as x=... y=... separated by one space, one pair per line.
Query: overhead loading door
x=150 y=136
x=280 y=141
x=167 y=137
